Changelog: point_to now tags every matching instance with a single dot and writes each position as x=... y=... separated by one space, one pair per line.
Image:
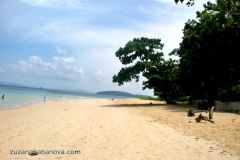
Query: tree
x=144 y=57
x=209 y=57
x=189 y=2
x=163 y=79
x=143 y=53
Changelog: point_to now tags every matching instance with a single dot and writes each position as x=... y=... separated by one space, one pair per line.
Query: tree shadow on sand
x=173 y=108
x=134 y=105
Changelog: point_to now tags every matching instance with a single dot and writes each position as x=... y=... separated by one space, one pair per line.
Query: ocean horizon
x=20 y=96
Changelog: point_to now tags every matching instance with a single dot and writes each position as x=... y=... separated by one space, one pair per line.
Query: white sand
x=100 y=129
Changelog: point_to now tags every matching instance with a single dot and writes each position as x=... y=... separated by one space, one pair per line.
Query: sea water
x=18 y=96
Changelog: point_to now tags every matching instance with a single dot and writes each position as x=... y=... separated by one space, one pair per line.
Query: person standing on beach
x=44 y=99
x=3 y=97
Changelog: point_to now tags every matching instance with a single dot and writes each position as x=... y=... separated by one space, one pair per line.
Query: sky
x=71 y=44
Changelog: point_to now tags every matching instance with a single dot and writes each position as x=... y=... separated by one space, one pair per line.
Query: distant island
x=10 y=84
x=116 y=93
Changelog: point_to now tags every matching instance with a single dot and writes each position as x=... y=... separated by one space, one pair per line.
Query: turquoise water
x=15 y=96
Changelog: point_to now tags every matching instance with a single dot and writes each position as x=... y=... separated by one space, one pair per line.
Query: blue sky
x=70 y=44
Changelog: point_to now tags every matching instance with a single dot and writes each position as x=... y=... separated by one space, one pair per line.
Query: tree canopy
x=143 y=56
x=163 y=79
x=189 y=2
x=208 y=67
x=209 y=52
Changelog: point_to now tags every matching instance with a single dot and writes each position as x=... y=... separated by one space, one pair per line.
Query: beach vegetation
x=144 y=57
x=149 y=98
x=208 y=66
x=229 y=93
x=209 y=58
x=188 y=2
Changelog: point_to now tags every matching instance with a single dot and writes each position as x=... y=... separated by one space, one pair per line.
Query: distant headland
x=117 y=93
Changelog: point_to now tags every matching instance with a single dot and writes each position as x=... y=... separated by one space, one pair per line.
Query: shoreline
x=35 y=102
x=111 y=129
x=28 y=104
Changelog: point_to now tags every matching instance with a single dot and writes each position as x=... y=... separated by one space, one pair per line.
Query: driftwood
x=205 y=118
x=210 y=112
x=192 y=112
x=200 y=117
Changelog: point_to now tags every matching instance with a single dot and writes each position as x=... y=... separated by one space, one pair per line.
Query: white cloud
x=110 y=39
x=58 y=67
x=86 y=37
x=54 y=3
x=92 y=35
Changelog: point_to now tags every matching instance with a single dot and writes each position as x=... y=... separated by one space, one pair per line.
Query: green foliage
x=142 y=53
x=183 y=98
x=163 y=79
x=189 y=2
x=204 y=105
x=229 y=93
x=144 y=56
x=149 y=98
x=209 y=57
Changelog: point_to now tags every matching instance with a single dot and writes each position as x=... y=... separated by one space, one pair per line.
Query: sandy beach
x=120 y=129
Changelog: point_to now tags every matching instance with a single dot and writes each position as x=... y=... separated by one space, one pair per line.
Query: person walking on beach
x=3 y=97
x=44 y=99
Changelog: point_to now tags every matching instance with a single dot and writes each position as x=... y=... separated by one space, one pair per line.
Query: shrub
x=183 y=98
x=205 y=104
x=229 y=93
